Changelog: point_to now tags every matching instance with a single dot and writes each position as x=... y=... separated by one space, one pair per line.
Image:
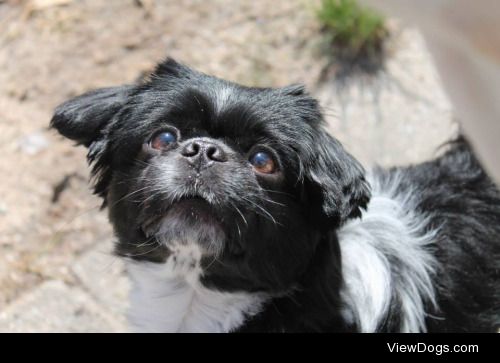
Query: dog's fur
x=315 y=246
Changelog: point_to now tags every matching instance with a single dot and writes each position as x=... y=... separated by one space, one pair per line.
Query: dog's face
x=247 y=175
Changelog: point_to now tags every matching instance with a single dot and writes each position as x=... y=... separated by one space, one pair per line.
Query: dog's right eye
x=162 y=140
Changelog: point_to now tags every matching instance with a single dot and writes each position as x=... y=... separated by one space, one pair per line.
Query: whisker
x=272 y=201
x=239 y=230
x=129 y=195
x=147 y=242
x=145 y=253
x=215 y=259
x=277 y=192
x=241 y=214
x=263 y=210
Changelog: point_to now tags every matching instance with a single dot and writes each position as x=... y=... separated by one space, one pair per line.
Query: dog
x=236 y=211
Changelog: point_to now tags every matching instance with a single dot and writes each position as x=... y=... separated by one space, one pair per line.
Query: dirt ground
x=51 y=50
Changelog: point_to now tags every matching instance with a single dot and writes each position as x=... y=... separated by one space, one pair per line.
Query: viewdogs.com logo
x=437 y=349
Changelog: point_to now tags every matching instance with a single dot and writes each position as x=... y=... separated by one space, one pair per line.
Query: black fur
x=465 y=207
x=274 y=233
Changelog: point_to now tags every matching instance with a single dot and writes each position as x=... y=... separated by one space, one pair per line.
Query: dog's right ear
x=84 y=117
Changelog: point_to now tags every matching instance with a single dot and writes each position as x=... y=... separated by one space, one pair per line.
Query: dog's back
x=463 y=208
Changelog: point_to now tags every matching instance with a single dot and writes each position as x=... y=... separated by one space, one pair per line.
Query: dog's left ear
x=337 y=179
x=83 y=118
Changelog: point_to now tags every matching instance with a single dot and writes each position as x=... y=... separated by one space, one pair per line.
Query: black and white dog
x=236 y=211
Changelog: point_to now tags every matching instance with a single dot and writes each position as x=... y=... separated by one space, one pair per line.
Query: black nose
x=203 y=153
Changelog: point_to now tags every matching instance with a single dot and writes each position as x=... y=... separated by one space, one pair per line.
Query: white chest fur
x=170 y=298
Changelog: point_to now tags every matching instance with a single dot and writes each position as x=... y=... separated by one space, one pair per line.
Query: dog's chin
x=190 y=220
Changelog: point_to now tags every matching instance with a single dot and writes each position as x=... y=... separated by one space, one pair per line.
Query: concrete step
x=57 y=307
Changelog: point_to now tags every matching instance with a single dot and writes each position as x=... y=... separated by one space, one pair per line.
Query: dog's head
x=248 y=175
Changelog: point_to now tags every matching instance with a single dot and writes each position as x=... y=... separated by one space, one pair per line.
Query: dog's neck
x=314 y=304
x=386 y=270
x=170 y=298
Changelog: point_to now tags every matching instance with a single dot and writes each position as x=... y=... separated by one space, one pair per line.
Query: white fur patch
x=170 y=298
x=388 y=236
x=222 y=96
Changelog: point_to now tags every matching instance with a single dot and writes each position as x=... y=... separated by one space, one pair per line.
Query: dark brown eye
x=263 y=162
x=163 y=140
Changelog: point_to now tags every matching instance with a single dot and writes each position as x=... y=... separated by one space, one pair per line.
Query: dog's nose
x=203 y=153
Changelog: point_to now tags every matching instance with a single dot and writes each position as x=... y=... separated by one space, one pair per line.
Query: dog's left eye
x=263 y=162
x=162 y=140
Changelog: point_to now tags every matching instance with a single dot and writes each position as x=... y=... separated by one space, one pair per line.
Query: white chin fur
x=170 y=298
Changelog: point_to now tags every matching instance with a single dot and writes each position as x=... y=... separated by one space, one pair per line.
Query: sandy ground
x=50 y=52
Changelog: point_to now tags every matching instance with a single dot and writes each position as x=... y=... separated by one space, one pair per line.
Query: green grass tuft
x=354 y=31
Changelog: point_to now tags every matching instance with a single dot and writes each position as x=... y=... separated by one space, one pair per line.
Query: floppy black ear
x=83 y=118
x=338 y=180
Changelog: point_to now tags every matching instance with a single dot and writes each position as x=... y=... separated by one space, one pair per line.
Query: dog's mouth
x=191 y=219
x=187 y=207
x=192 y=200
x=193 y=207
